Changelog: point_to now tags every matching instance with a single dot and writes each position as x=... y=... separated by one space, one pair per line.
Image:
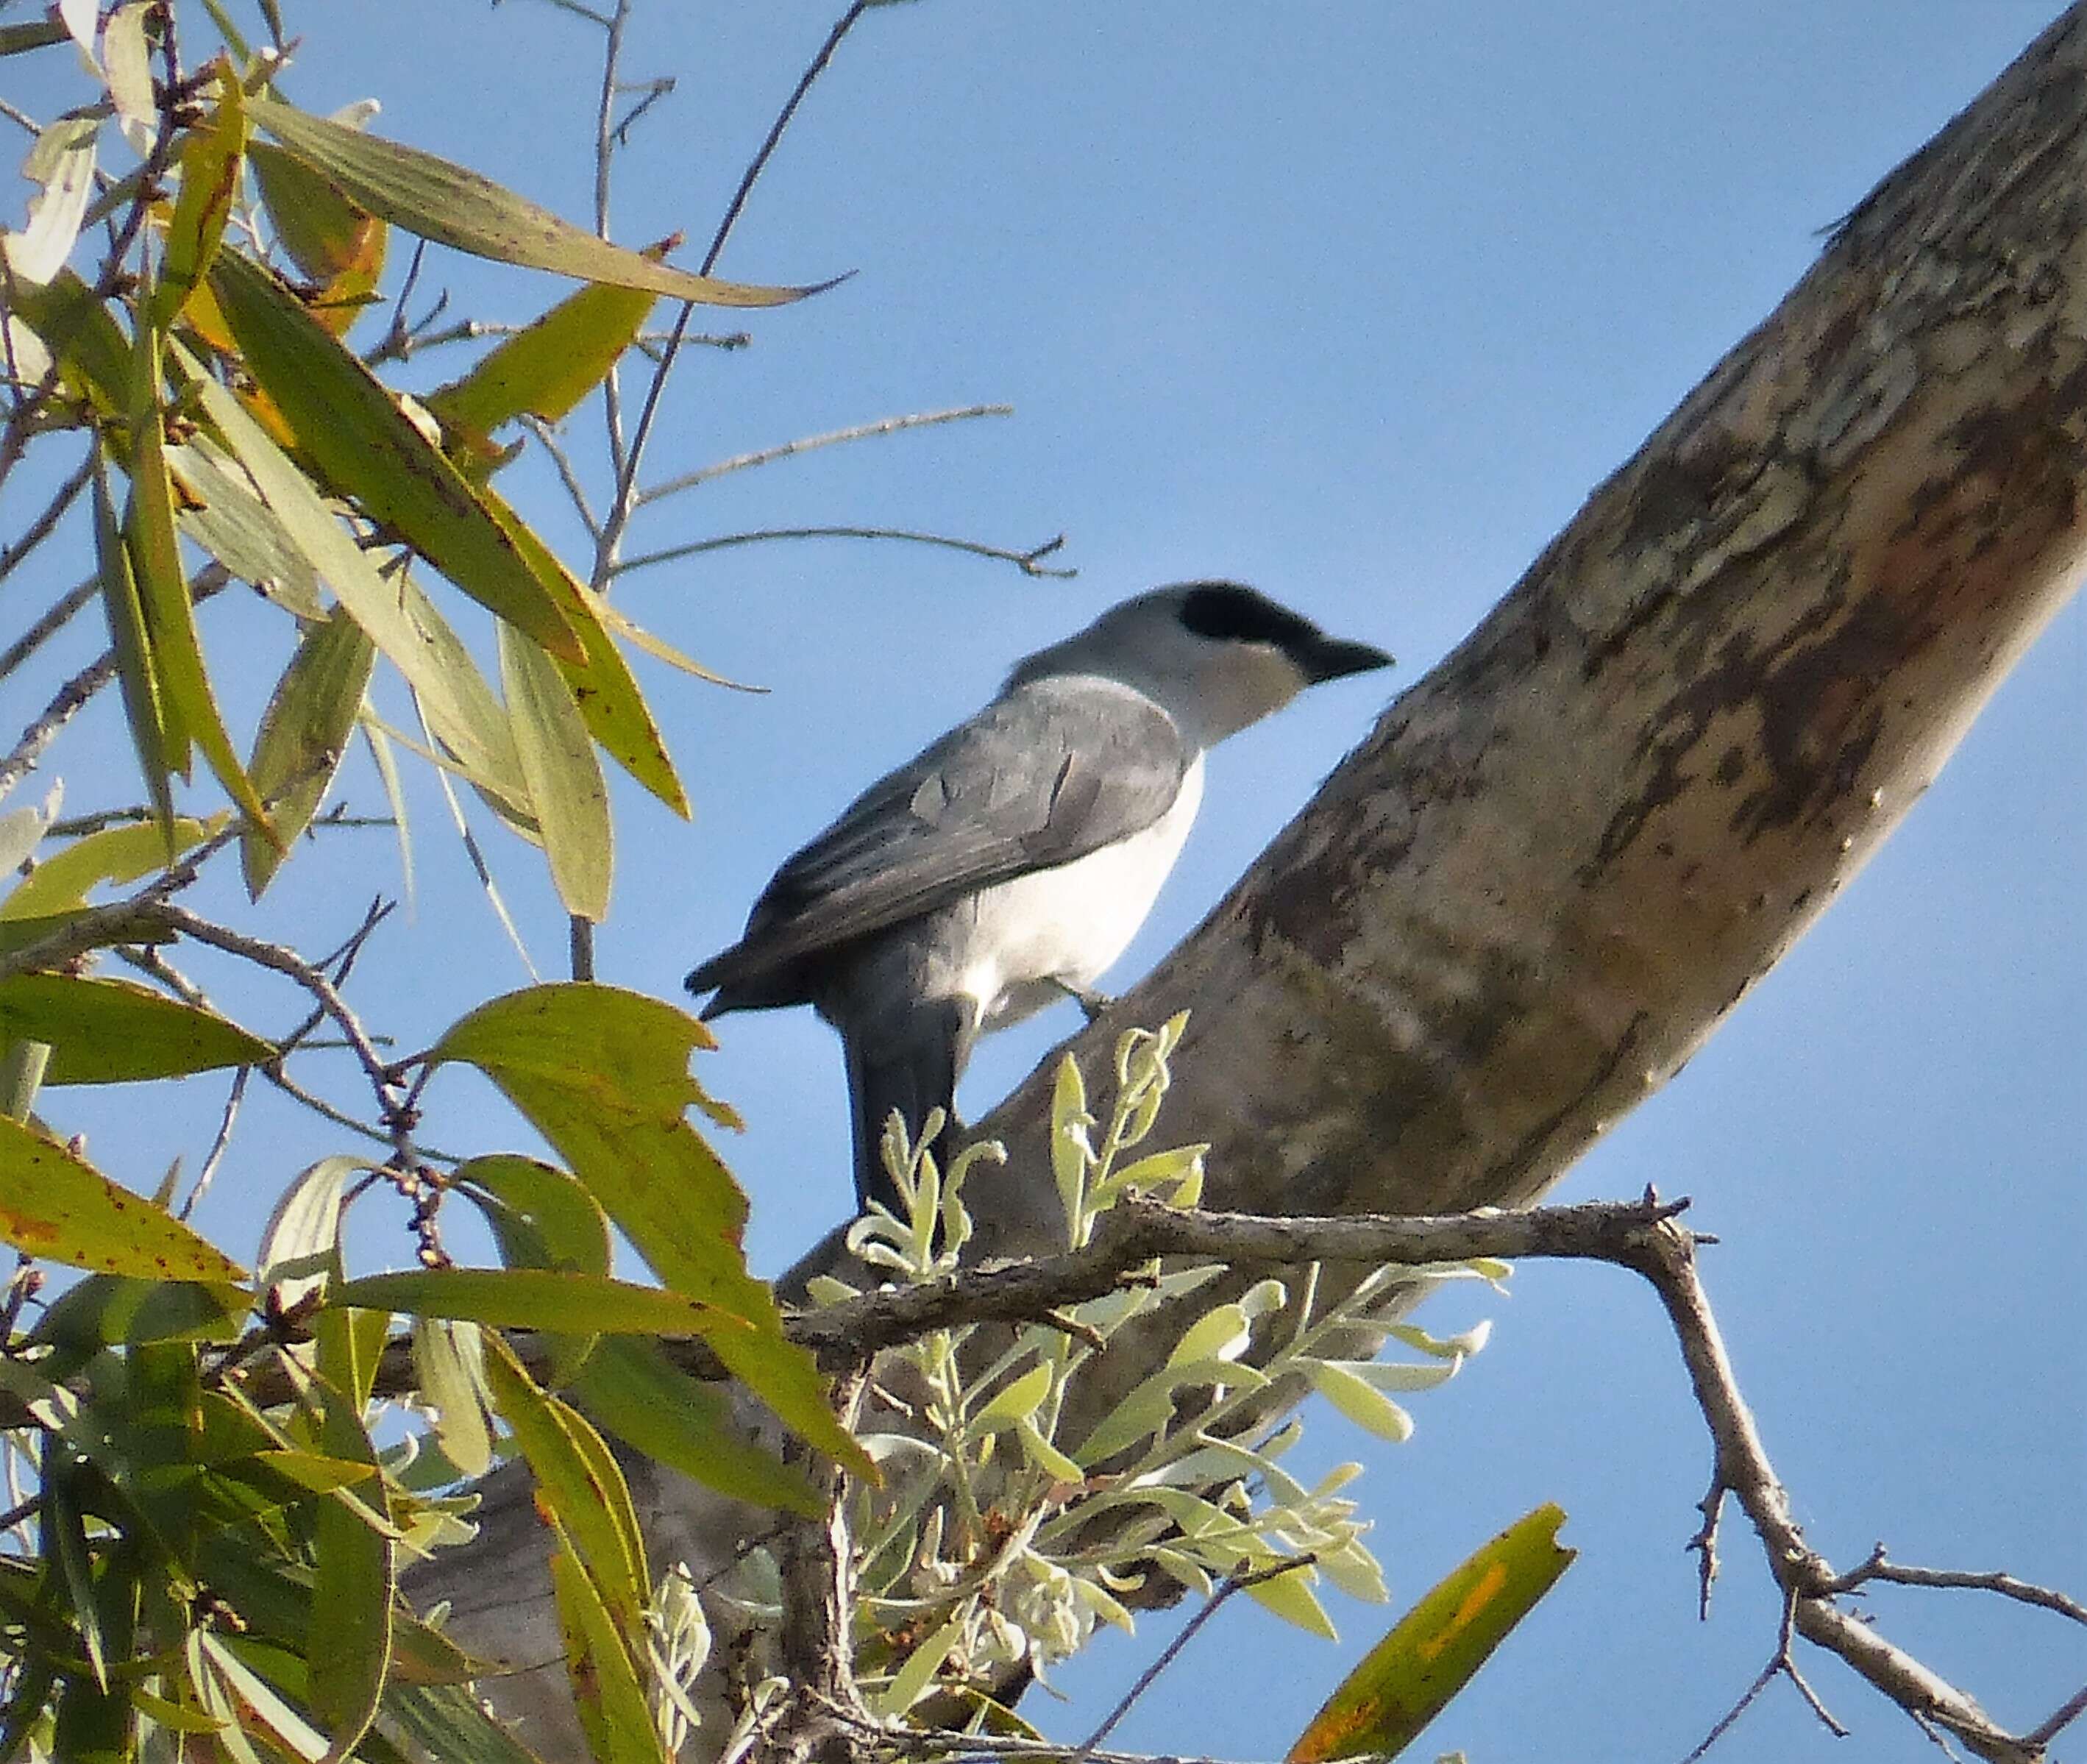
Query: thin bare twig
x=1028 y=563
x=53 y=512
x=219 y=1143
x=65 y=703
x=54 y=619
x=759 y=163
x=1226 y=1588
x=1875 y=1567
x=576 y=491
x=884 y=425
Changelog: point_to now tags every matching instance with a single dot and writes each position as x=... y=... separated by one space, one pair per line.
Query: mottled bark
x=1563 y=856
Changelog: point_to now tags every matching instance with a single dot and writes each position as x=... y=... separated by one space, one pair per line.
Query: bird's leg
x=1090 y=1002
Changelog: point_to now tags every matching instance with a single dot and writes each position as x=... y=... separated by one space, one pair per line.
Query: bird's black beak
x=1333 y=658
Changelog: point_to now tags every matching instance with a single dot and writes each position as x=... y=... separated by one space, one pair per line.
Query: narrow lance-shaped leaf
x=352 y=428
x=63 y=879
x=579 y=1485
x=565 y=780
x=340 y=245
x=188 y=707
x=112 y=1031
x=62 y=164
x=602 y=683
x=533 y=1298
x=54 y=1204
x=137 y=668
x=547 y=368
x=608 y=1693
x=304 y=733
x=454 y=207
x=210 y=161
x=1404 y=1682
x=355 y=1579
x=396 y=615
x=631 y=1388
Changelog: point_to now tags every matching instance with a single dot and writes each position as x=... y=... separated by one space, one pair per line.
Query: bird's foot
x=1090 y=1001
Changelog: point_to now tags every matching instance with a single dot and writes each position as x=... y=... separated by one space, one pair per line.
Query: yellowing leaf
x=210 y=163
x=56 y=1204
x=1403 y=1682
x=547 y=368
x=340 y=245
x=454 y=207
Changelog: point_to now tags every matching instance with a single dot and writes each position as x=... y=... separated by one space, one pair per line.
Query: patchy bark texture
x=1565 y=855
x=1562 y=857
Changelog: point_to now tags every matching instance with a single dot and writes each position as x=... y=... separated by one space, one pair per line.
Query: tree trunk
x=1563 y=856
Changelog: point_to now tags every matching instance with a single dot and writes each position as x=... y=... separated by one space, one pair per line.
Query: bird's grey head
x=1218 y=656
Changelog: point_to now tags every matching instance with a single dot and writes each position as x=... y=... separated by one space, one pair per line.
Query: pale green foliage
x=1003 y=1535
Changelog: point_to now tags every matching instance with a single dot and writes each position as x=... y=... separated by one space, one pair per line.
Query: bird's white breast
x=1067 y=925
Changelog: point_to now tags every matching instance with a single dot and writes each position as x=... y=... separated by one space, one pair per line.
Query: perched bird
x=1011 y=862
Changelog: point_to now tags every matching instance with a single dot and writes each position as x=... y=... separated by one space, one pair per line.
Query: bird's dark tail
x=909 y=1063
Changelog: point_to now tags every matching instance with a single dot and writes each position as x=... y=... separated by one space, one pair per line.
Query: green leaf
x=400 y=621
x=303 y=735
x=355 y=1575
x=65 y=1538
x=545 y=370
x=565 y=781
x=1360 y=1401
x=339 y=246
x=55 y=1204
x=449 y=1370
x=579 y=1487
x=210 y=162
x=604 y=1075
x=540 y=1216
x=534 y=1298
x=1016 y=1401
x=1291 y=1597
x=112 y=1031
x=910 y=1683
x=453 y=207
x=221 y=512
x=608 y=1691
x=610 y=704
x=188 y=707
x=92 y=352
x=137 y=668
x=351 y=425
x=1403 y=1682
x=631 y=1388
x=62 y=879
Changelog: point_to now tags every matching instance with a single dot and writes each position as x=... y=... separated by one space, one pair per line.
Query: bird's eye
x=1227 y=611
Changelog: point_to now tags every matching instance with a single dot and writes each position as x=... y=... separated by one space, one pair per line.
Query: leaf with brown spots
x=55 y=1204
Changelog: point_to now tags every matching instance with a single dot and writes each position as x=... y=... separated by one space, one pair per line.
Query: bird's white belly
x=1067 y=925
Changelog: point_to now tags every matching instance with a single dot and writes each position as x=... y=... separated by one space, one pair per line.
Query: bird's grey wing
x=1060 y=767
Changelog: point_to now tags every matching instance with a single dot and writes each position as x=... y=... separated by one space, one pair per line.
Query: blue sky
x=1355 y=302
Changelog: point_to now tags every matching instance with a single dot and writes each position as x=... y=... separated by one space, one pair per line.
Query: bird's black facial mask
x=1229 y=611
